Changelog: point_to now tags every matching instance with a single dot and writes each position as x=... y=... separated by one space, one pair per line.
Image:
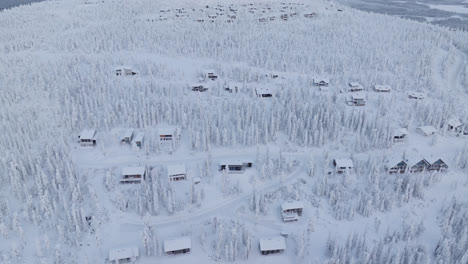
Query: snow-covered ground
x=63 y=203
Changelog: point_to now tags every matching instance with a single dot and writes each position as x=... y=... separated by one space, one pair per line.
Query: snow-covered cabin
x=382 y=88
x=355 y=87
x=400 y=135
x=264 y=92
x=358 y=99
x=272 y=245
x=139 y=139
x=234 y=165
x=438 y=165
x=398 y=167
x=121 y=255
x=454 y=124
x=168 y=134
x=87 y=138
x=291 y=211
x=127 y=136
x=416 y=95
x=426 y=130
x=420 y=166
x=321 y=81
x=210 y=73
x=176 y=172
x=124 y=71
x=133 y=174
x=343 y=165
x=199 y=87
x=178 y=246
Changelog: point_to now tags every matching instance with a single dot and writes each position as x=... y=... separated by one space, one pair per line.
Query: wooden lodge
x=168 y=134
x=124 y=71
x=264 y=92
x=87 y=138
x=133 y=174
x=382 y=88
x=272 y=245
x=400 y=167
x=420 y=166
x=355 y=87
x=426 y=130
x=357 y=100
x=211 y=74
x=454 y=124
x=199 y=87
x=139 y=139
x=416 y=95
x=321 y=81
x=438 y=165
x=178 y=246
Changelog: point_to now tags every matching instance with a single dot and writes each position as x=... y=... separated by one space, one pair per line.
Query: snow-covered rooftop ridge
x=273 y=243
x=88 y=134
x=127 y=132
x=177 y=244
x=400 y=131
x=292 y=205
x=133 y=170
x=176 y=169
x=123 y=253
x=139 y=136
x=342 y=163
x=427 y=129
x=454 y=122
x=233 y=161
x=381 y=87
x=354 y=84
x=358 y=96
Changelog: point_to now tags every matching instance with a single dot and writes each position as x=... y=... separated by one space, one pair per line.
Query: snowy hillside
x=208 y=132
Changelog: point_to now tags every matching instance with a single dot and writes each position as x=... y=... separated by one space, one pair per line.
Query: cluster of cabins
x=202 y=86
x=88 y=137
x=418 y=166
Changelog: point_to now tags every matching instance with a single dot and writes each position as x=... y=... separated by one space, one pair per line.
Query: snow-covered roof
x=416 y=94
x=455 y=122
x=358 y=96
x=292 y=205
x=139 y=136
x=123 y=67
x=427 y=129
x=233 y=162
x=319 y=79
x=176 y=169
x=133 y=171
x=123 y=253
x=379 y=87
x=273 y=243
x=210 y=71
x=166 y=131
x=264 y=90
x=348 y=163
x=88 y=134
x=400 y=132
x=177 y=244
x=354 y=84
x=198 y=85
x=127 y=133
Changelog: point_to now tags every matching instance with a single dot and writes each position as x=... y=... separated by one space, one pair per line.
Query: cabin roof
x=88 y=134
x=358 y=96
x=139 y=136
x=264 y=90
x=381 y=87
x=401 y=131
x=176 y=169
x=292 y=205
x=455 y=122
x=273 y=243
x=166 y=131
x=122 y=253
x=133 y=170
x=348 y=163
x=177 y=244
x=428 y=129
x=233 y=162
x=319 y=79
x=127 y=132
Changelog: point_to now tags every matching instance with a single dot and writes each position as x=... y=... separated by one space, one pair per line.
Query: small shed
x=382 y=88
x=234 y=165
x=176 y=172
x=178 y=246
x=355 y=87
x=139 y=139
x=358 y=100
x=121 y=255
x=426 y=130
x=263 y=92
x=87 y=138
x=272 y=245
x=343 y=165
x=321 y=81
x=399 y=167
x=420 y=166
x=133 y=174
x=127 y=136
x=400 y=135
x=438 y=165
